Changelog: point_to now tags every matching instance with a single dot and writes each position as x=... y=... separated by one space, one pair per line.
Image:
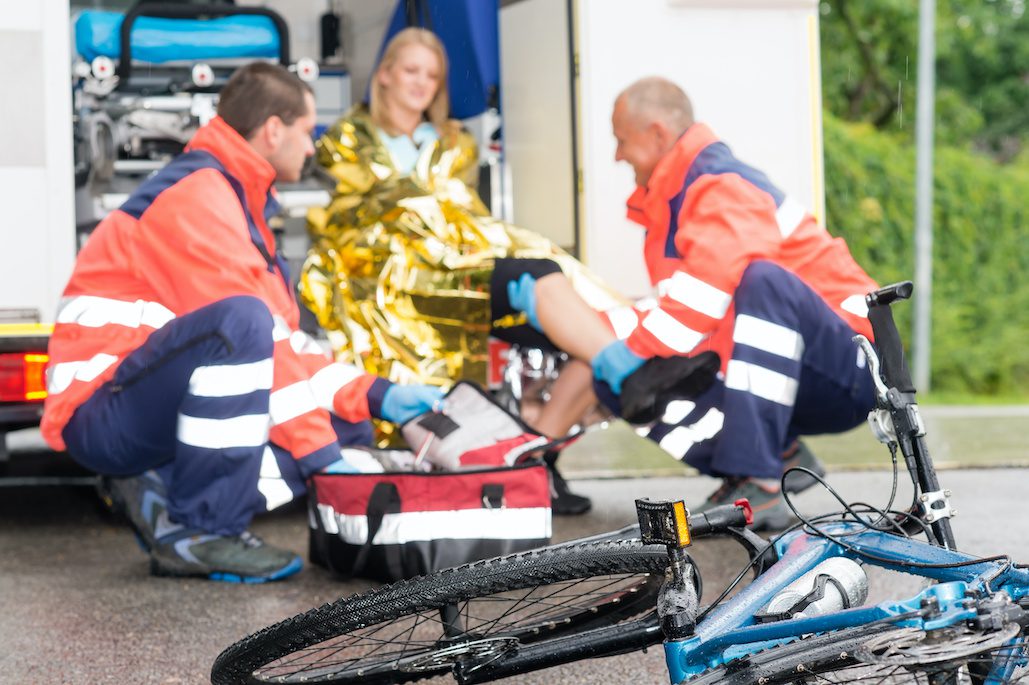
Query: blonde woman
x=409 y=272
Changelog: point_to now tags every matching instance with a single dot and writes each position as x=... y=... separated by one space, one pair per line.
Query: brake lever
x=873 y=368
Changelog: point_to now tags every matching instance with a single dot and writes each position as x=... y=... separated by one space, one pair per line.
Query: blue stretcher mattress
x=157 y=40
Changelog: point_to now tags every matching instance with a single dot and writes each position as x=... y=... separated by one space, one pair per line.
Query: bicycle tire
x=836 y=658
x=620 y=579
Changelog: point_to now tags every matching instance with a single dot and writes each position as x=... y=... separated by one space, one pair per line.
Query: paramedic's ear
x=270 y=133
x=663 y=134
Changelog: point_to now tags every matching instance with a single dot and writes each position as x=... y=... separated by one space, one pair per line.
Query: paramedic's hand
x=521 y=294
x=401 y=403
x=615 y=363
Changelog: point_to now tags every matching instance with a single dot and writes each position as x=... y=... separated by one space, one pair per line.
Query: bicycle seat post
x=667 y=523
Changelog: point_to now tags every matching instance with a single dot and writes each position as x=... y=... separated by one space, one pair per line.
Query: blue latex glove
x=522 y=296
x=401 y=403
x=615 y=363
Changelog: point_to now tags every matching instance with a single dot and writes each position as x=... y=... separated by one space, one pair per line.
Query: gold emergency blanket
x=399 y=270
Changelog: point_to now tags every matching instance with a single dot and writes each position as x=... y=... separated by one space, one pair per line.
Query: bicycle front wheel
x=478 y=615
x=881 y=654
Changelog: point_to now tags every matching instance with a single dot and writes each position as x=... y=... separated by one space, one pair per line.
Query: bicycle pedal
x=664 y=522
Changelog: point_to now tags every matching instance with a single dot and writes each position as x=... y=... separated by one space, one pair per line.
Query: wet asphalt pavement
x=77 y=604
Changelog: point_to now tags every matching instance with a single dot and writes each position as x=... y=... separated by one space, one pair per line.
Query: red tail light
x=23 y=377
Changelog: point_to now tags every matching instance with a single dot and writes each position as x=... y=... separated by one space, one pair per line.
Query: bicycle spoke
x=472 y=620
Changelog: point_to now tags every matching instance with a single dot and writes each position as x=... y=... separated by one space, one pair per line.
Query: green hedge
x=980 y=318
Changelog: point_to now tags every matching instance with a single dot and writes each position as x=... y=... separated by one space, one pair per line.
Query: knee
x=511 y=269
x=761 y=277
x=539 y=268
x=246 y=320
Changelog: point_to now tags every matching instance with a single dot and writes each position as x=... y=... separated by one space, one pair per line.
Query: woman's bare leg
x=571 y=396
x=567 y=320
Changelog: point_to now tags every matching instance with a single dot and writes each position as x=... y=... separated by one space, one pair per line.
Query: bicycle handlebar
x=718 y=520
x=887 y=338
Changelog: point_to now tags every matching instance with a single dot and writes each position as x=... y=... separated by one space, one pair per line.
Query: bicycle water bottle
x=835 y=584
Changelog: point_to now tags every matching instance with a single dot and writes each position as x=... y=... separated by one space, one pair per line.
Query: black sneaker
x=798 y=455
x=563 y=502
x=648 y=390
x=240 y=559
x=143 y=501
x=770 y=512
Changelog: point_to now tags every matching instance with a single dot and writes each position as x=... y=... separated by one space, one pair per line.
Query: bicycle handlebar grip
x=894 y=369
x=890 y=293
x=717 y=519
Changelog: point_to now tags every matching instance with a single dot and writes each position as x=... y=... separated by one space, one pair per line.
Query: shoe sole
x=571 y=511
x=164 y=571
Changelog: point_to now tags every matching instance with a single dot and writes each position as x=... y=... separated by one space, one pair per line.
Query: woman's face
x=412 y=80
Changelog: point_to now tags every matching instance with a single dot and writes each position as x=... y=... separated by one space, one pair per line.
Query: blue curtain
x=470 y=32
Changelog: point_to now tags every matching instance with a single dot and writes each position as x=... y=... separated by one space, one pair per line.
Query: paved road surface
x=77 y=604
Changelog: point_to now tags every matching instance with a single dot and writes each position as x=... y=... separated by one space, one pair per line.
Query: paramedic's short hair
x=259 y=91
x=656 y=98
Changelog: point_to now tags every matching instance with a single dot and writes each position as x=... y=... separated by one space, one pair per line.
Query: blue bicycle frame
x=729 y=632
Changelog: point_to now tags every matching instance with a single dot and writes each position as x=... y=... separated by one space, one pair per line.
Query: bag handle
x=385 y=499
x=493 y=496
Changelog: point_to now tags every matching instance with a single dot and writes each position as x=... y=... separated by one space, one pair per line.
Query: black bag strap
x=385 y=499
x=318 y=544
x=493 y=496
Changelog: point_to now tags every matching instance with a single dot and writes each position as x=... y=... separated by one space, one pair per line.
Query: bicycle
x=801 y=618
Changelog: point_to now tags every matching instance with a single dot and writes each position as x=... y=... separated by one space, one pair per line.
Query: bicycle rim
x=464 y=618
x=879 y=655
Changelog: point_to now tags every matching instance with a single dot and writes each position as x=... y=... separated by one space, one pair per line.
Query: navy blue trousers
x=794 y=370
x=192 y=404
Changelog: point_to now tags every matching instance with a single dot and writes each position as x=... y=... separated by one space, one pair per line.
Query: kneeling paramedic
x=745 y=276
x=178 y=369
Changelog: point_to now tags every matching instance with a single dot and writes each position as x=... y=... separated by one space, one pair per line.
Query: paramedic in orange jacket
x=742 y=269
x=177 y=365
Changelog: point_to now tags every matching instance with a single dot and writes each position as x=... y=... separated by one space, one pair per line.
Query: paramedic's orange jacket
x=194 y=234
x=708 y=216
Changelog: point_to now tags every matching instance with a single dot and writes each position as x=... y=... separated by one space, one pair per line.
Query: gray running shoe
x=770 y=512
x=798 y=455
x=239 y=559
x=143 y=501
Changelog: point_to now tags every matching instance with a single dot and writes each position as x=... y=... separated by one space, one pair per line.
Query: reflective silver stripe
x=623 y=321
x=290 y=402
x=761 y=382
x=280 y=329
x=789 y=215
x=698 y=295
x=677 y=410
x=231 y=379
x=768 y=336
x=302 y=343
x=682 y=438
x=670 y=332
x=249 y=430
x=462 y=524
x=94 y=312
x=270 y=484
x=856 y=305
x=646 y=304
x=328 y=381
x=60 y=376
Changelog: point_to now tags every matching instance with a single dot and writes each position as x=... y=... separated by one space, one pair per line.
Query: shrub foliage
x=980 y=312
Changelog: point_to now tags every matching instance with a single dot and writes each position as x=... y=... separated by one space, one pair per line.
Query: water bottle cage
x=817 y=593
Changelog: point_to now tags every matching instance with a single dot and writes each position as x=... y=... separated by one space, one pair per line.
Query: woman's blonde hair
x=438 y=110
